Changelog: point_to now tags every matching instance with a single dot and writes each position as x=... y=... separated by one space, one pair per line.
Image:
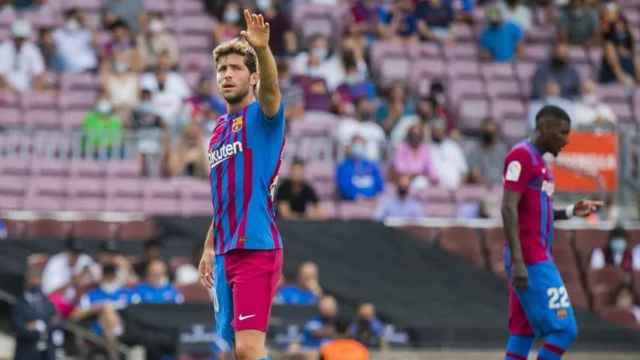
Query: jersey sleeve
x=517 y=170
x=274 y=121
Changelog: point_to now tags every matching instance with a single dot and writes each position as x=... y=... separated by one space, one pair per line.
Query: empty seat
x=79 y=81
x=88 y=168
x=194 y=42
x=194 y=61
x=461 y=51
x=86 y=194
x=124 y=195
x=440 y=210
x=356 y=209
x=463 y=241
x=424 y=50
x=42 y=119
x=622 y=111
x=525 y=71
x=497 y=71
x=79 y=99
x=470 y=193
x=508 y=109
x=188 y=7
x=13 y=189
x=473 y=112
x=15 y=166
x=394 y=68
x=622 y=317
x=48 y=228
x=123 y=168
x=536 y=53
x=499 y=90
x=433 y=194
x=457 y=68
x=386 y=49
x=161 y=197
x=95 y=229
x=157 y=6
x=50 y=167
x=10 y=117
x=195 y=24
x=46 y=193
x=460 y=89
x=515 y=129
x=72 y=119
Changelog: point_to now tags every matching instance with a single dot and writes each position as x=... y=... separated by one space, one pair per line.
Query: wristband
x=570 y=210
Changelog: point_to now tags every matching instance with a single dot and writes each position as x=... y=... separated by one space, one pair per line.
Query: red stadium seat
x=621 y=317
x=602 y=283
x=136 y=230
x=465 y=242
x=363 y=209
x=48 y=228
x=586 y=241
x=495 y=240
x=95 y=229
x=194 y=293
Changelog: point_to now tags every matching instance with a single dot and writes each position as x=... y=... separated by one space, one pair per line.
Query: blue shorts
x=543 y=307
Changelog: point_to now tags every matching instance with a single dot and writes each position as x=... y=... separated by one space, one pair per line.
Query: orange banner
x=589 y=163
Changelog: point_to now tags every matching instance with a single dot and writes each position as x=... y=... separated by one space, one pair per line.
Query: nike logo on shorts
x=245 y=317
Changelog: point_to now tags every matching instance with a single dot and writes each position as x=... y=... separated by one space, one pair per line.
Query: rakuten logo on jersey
x=224 y=152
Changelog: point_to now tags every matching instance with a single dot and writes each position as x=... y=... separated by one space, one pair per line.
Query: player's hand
x=520 y=276
x=257 y=33
x=586 y=207
x=205 y=268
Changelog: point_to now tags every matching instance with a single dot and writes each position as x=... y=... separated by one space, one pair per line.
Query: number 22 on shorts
x=558 y=298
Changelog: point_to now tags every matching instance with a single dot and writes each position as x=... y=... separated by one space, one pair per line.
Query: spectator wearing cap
x=129 y=11
x=32 y=317
x=500 y=41
x=21 y=64
x=516 y=12
x=61 y=268
x=156 y=289
x=356 y=176
x=487 y=154
x=449 y=163
x=558 y=69
x=152 y=249
x=295 y=197
x=305 y=291
x=76 y=44
x=402 y=204
x=154 y=39
x=578 y=23
x=617 y=252
x=365 y=127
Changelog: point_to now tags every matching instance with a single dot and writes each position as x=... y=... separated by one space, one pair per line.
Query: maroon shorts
x=251 y=278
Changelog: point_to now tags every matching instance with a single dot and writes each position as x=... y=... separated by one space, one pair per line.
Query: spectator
x=21 y=63
x=151 y=251
x=591 y=111
x=296 y=199
x=321 y=328
x=150 y=135
x=306 y=291
x=425 y=113
x=516 y=12
x=402 y=205
x=394 y=106
x=61 y=268
x=292 y=92
x=620 y=62
x=557 y=69
x=76 y=44
x=47 y=46
x=156 y=289
x=109 y=253
x=355 y=83
x=319 y=61
x=343 y=346
x=230 y=25
x=204 y=108
x=551 y=97
x=356 y=176
x=500 y=41
x=103 y=130
x=486 y=155
x=363 y=21
x=189 y=156
x=365 y=127
x=283 y=41
x=188 y=273
x=155 y=40
x=32 y=317
x=625 y=299
x=617 y=252
x=367 y=328
x=122 y=87
x=101 y=304
x=398 y=21
x=449 y=163
x=121 y=48
x=434 y=20
x=129 y=11
x=578 y=23
x=412 y=157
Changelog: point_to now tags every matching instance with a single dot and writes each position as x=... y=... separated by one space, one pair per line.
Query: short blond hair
x=239 y=47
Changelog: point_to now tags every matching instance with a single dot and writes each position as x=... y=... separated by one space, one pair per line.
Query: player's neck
x=237 y=107
x=535 y=141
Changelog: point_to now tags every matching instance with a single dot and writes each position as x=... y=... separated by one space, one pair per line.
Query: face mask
x=352 y=79
x=487 y=137
x=120 y=67
x=618 y=245
x=162 y=283
x=263 y=5
x=436 y=139
x=103 y=107
x=402 y=192
x=110 y=287
x=590 y=99
x=558 y=62
x=72 y=24
x=320 y=53
x=358 y=150
x=414 y=139
x=156 y=26
x=231 y=16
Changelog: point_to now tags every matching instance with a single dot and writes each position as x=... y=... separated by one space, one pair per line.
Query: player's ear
x=253 y=79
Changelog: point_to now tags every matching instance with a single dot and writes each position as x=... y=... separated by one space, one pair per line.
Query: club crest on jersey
x=236 y=124
x=224 y=152
x=548 y=187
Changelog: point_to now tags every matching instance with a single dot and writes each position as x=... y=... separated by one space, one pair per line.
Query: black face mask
x=558 y=62
x=402 y=192
x=436 y=139
x=495 y=24
x=488 y=137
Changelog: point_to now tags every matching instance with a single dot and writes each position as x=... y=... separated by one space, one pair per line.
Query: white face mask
x=358 y=150
x=103 y=107
x=156 y=26
x=263 y=5
x=618 y=245
x=120 y=67
x=72 y=24
x=320 y=53
x=231 y=16
x=590 y=99
x=110 y=287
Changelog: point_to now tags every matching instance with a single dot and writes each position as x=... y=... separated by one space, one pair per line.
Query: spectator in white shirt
x=551 y=97
x=447 y=157
x=155 y=39
x=517 y=13
x=319 y=61
x=365 y=127
x=76 y=44
x=21 y=63
x=61 y=268
x=590 y=110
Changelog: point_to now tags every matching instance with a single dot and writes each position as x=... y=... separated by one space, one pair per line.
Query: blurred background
x=399 y=115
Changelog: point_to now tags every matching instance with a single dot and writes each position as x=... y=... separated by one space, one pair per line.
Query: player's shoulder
x=520 y=152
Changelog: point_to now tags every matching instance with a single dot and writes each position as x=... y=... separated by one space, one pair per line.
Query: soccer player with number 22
x=242 y=257
x=539 y=305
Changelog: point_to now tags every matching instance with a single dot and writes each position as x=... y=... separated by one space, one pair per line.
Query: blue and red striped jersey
x=245 y=153
x=526 y=172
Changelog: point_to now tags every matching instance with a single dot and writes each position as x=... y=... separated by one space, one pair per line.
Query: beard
x=236 y=98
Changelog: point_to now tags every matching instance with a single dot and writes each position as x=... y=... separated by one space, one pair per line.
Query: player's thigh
x=546 y=301
x=222 y=301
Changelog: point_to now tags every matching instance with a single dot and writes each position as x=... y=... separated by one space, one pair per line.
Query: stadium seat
x=381 y=50
x=42 y=119
x=465 y=242
x=463 y=32
x=470 y=193
x=472 y=113
x=586 y=241
x=363 y=209
x=161 y=197
x=541 y=34
x=39 y=100
x=46 y=193
x=124 y=194
x=536 y=53
x=460 y=89
x=15 y=166
x=320 y=170
x=424 y=50
x=51 y=167
x=525 y=71
x=88 y=169
x=508 y=109
x=328 y=208
x=578 y=55
x=602 y=283
x=194 y=61
x=515 y=129
x=123 y=168
x=462 y=69
x=85 y=5
x=195 y=24
x=497 y=71
x=78 y=81
x=621 y=317
x=194 y=42
x=48 y=228
x=501 y=89
x=325 y=189
x=95 y=229
x=10 y=117
x=136 y=230
x=622 y=111
x=440 y=210
x=72 y=119
x=433 y=194
x=86 y=194
x=460 y=51
x=162 y=6
x=595 y=55
x=77 y=99
x=188 y=7
x=13 y=189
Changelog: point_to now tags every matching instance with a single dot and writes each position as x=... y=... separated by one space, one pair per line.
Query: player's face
x=557 y=136
x=233 y=78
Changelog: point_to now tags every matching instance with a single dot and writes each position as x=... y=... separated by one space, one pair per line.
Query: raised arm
x=257 y=35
